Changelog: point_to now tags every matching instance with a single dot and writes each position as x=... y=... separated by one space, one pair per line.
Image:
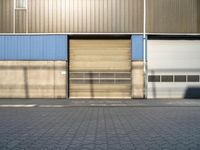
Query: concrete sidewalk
x=97 y=103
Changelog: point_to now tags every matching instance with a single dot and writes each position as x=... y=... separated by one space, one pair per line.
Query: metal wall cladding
x=20 y=21
x=85 y=15
x=137 y=47
x=6 y=16
x=102 y=16
x=198 y=15
x=41 y=47
x=76 y=16
x=172 y=16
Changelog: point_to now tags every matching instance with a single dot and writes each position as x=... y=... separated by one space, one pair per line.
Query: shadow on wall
x=26 y=87
x=192 y=93
x=32 y=81
x=14 y=85
x=154 y=86
x=91 y=84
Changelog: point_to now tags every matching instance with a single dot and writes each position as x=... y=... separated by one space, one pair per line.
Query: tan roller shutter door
x=100 y=69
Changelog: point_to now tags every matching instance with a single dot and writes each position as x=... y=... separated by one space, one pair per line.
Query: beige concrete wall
x=33 y=79
x=137 y=79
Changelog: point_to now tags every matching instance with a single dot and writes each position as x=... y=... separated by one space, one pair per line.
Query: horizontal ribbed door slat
x=97 y=66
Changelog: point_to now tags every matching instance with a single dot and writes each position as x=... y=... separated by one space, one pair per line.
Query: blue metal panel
x=24 y=47
x=32 y=47
x=2 y=55
x=50 y=42
x=36 y=48
x=137 y=47
x=61 y=44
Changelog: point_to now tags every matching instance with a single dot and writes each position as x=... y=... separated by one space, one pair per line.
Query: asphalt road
x=100 y=128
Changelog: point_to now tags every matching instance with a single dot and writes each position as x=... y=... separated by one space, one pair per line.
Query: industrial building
x=119 y=49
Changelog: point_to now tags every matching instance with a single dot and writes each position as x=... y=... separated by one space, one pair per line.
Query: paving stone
x=140 y=128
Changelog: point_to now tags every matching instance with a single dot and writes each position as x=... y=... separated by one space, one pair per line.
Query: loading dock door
x=100 y=68
x=173 y=68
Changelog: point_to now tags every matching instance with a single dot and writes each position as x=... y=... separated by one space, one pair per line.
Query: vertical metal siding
x=1 y=16
x=36 y=48
x=172 y=16
x=20 y=21
x=85 y=16
x=2 y=52
x=108 y=16
x=43 y=47
x=137 y=47
x=198 y=15
x=6 y=16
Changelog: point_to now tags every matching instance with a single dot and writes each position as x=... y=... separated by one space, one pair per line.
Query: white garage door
x=173 y=69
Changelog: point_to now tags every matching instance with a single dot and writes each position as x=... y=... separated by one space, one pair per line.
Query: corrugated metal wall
x=85 y=15
x=20 y=21
x=198 y=15
x=109 y=16
x=6 y=16
x=175 y=16
x=42 y=47
x=137 y=47
x=1 y=12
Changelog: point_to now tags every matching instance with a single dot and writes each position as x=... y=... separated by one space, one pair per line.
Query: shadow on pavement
x=192 y=93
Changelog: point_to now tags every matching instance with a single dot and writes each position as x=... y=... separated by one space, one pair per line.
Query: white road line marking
x=2 y=106
x=56 y=106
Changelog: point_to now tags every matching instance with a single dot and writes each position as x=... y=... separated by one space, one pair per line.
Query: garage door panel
x=98 y=87
x=95 y=67
x=100 y=52
x=95 y=43
x=172 y=91
x=96 y=94
x=178 y=59
x=110 y=66
x=181 y=53
x=96 y=58
x=117 y=48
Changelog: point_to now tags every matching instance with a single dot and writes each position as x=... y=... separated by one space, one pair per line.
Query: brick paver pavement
x=91 y=128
